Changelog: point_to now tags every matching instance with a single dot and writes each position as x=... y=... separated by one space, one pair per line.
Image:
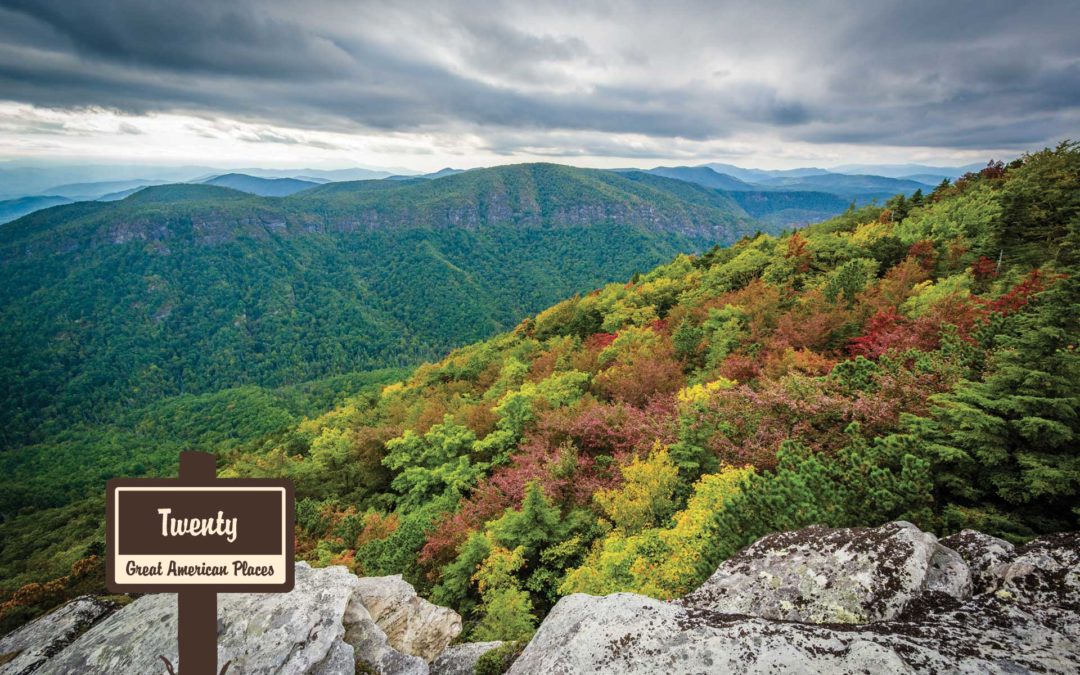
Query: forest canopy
x=914 y=360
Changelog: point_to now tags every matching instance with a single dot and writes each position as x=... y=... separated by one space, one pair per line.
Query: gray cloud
x=987 y=74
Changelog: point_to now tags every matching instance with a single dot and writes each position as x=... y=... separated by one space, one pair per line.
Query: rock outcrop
x=292 y=632
x=821 y=575
x=412 y=624
x=372 y=649
x=25 y=650
x=461 y=659
x=1044 y=577
x=323 y=626
x=818 y=600
x=983 y=554
x=915 y=613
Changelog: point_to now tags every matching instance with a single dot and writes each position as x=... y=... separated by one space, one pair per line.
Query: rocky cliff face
x=864 y=600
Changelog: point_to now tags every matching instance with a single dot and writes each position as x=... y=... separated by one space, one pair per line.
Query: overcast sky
x=424 y=85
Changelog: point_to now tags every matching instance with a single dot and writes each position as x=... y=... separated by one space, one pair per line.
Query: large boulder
x=1046 y=571
x=983 y=554
x=631 y=634
x=291 y=632
x=24 y=650
x=412 y=624
x=928 y=622
x=1045 y=577
x=371 y=648
x=823 y=575
x=321 y=627
x=461 y=659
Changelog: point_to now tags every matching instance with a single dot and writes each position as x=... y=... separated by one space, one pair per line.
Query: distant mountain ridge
x=703 y=175
x=907 y=170
x=756 y=175
x=851 y=183
x=18 y=179
x=846 y=185
x=430 y=176
x=13 y=209
x=264 y=187
x=82 y=192
x=793 y=197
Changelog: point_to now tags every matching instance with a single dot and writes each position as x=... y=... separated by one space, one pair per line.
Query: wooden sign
x=198 y=536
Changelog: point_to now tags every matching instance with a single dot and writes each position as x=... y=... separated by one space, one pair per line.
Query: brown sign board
x=221 y=535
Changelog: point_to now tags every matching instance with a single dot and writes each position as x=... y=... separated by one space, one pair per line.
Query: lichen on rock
x=928 y=621
x=824 y=575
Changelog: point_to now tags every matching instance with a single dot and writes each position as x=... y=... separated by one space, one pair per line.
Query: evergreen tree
x=1009 y=442
x=864 y=482
x=535 y=526
x=687 y=340
x=1040 y=215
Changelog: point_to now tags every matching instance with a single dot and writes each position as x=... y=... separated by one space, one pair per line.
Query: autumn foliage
x=629 y=438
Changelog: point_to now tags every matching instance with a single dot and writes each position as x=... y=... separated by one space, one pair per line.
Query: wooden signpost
x=197 y=536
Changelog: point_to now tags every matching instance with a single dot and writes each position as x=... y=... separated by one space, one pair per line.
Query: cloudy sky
x=424 y=85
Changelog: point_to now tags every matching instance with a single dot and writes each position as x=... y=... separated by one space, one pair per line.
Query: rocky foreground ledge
x=864 y=600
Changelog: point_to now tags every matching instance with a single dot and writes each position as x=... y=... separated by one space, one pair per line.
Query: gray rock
x=1045 y=572
x=292 y=632
x=911 y=593
x=823 y=575
x=27 y=648
x=930 y=625
x=1045 y=579
x=372 y=648
x=983 y=555
x=630 y=634
x=412 y=624
x=322 y=627
x=461 y=659
x=340 y=661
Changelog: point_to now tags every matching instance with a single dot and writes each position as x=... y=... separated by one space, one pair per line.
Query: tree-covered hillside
x=914 y=361
x=185 y=289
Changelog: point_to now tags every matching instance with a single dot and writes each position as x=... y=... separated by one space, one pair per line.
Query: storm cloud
x=568 y=78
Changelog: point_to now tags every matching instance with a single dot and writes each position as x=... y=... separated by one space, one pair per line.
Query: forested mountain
x=787 y=207
x=188 y=288
x=915 y=360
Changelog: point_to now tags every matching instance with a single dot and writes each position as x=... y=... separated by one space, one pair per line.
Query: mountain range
x=854 y=183
x=188 y=288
